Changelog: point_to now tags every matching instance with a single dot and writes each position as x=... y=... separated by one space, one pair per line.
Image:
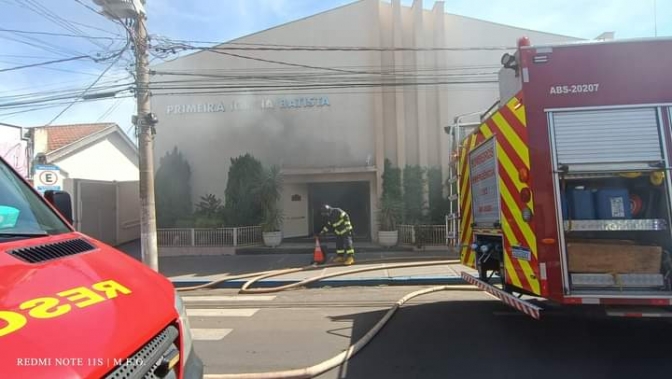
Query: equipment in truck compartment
x=613 y=203
x=613 y=257
x=581 y=204
x=597 y=204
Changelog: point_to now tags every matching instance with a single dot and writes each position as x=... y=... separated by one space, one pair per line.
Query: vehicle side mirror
x=61 y=201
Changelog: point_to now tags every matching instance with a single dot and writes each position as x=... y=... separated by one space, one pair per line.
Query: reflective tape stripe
x=339 y=222
x=340 y=251
x=351 y=251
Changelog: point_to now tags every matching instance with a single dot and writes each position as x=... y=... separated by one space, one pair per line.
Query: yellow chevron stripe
x=525 y=265
x=471 y=260
x=466 y=242
x=532 y=278
x=465 y=226
x=507 y=165
x=512 y=137
x=485 y=129
x=469 y=145
x=466 y=255
x=465 y=148
x=530 y=238
x=508 y=265
x=519 y=113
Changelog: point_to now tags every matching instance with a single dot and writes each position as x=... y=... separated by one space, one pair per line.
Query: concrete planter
x=272 y=239
x=388 y=238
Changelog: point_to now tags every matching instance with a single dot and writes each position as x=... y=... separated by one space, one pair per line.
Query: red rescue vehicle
x=564 y=187
x=73 y=307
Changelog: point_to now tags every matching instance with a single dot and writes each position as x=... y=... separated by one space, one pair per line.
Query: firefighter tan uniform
x=339 y=222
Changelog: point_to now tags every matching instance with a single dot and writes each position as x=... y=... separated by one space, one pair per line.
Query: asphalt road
x=442 y=335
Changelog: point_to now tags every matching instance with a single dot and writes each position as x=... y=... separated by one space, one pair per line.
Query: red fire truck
x=73 y=307
x=564 y=190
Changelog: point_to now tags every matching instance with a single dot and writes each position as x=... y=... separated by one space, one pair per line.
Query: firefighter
x=339 y=222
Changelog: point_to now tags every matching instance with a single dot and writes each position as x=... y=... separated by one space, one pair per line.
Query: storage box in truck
x=564 y=187
x=73 y=307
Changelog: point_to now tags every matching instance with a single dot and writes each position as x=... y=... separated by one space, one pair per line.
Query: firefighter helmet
x=325 y=210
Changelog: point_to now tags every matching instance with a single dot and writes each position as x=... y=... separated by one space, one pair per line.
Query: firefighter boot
x=350 y=260
x=339 y=259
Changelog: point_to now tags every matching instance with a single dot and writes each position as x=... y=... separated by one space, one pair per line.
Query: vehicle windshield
x=22 y=212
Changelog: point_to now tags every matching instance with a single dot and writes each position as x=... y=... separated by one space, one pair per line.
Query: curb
x=269 y=251
x=363 y=282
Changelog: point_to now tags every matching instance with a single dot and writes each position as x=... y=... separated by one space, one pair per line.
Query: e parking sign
x=47 y=178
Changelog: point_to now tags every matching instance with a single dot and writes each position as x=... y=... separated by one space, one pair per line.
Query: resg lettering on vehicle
x=59 y=305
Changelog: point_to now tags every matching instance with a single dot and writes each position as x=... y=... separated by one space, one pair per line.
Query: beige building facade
x=330 y=118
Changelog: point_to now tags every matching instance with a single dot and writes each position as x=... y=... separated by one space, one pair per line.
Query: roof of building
x=354 y=2
x=59 y=136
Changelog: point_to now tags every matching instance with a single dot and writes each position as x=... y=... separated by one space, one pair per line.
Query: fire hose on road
x=339 y=359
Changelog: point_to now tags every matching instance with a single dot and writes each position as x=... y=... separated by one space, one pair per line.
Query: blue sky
x=221 y=20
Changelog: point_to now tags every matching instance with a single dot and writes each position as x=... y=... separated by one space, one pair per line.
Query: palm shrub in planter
x=268 y=192
x=388 y=217
x=391 y=206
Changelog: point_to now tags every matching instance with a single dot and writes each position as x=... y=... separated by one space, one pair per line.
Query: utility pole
x=144 y=122
x=145 y=125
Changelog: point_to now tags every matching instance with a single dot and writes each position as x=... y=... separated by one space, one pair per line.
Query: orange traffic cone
x=318 y=255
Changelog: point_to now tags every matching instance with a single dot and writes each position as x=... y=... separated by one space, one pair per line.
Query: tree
x=414 y=186
x=209 y=212
x=391 y=202
x=242 y=207
x=172 y=189
x=268 y=191
x=438 y=205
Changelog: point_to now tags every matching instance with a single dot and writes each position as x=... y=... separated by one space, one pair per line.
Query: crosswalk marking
x=226 y=298
x=222 y=312
x=207 y=313
x=209 y=334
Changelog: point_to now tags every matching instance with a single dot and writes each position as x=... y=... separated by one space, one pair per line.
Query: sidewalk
x=194 y=270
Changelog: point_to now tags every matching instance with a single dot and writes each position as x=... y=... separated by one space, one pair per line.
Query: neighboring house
x=14 y=148
x=89 y=151
x=99 y=165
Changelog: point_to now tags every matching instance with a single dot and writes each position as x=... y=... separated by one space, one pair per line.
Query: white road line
x=226 y=298
x=221 y=312
x=209 y=334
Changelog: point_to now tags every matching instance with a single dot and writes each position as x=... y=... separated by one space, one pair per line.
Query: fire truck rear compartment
x=616 y=234
x=612 y=185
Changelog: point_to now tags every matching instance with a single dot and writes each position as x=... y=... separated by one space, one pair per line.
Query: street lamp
x=119 y=9
x=145 y=121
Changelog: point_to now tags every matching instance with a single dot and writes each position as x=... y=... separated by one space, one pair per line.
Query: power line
x=109 y=110
x=55 y=69
x=96 y=28
x=60 y=34
x=52 y=105
x=45 y=63
x=92 y=84
x=25 y=56
x=128 y=31
x=266 y=88
x=286 y=63
x=344 y=48
x=56 y=94
x=181 y=43
x=42 y=45
x=56 y=19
